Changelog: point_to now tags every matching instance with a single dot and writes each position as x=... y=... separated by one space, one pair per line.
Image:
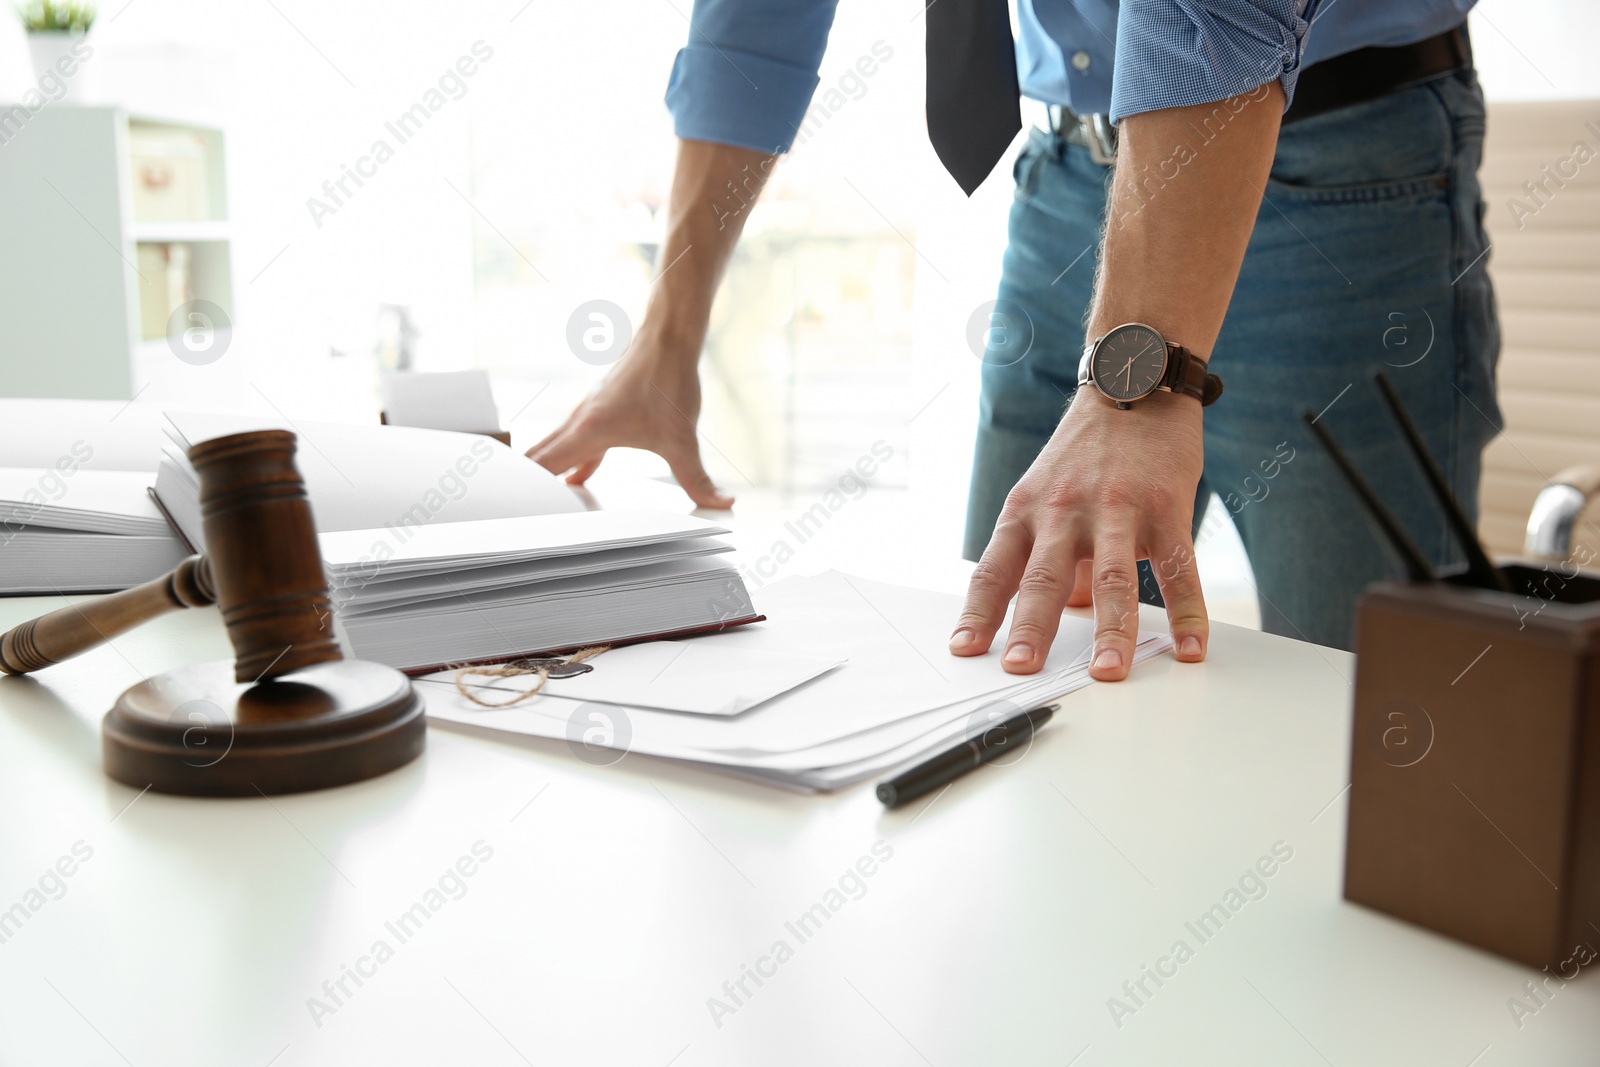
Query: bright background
x=843 y=322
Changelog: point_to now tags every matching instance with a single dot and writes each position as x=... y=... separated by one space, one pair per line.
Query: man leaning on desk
x=1313 y=162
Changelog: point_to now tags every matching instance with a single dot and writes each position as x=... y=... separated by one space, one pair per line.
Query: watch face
x=1129 y=362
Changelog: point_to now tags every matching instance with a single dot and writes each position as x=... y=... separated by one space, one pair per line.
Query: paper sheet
x=689 y=676
x=660 y=733
x=371 y=477
x=900 y=687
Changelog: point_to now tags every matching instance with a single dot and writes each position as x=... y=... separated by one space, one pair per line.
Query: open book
x=70 y=529
x=446 y=548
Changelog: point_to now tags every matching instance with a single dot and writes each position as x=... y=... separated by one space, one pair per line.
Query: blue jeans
x=1368 y=252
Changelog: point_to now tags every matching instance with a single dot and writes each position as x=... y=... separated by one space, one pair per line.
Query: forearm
x=714 y=187
x=1184 y=196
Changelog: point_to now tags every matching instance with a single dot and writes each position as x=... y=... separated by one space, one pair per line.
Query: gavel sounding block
x=289 y=713
x=196 y=731
x=1475 y=761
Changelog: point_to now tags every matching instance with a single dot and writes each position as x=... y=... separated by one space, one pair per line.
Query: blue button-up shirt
x=748 y=72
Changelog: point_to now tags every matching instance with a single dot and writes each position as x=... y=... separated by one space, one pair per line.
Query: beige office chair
x=1542 y=475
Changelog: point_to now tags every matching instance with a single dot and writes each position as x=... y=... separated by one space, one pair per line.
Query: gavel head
x=261 y=544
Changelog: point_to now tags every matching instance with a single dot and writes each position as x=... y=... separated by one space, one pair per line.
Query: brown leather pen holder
x=1475 y=761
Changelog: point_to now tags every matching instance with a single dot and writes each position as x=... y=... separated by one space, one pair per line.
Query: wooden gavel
x=49 y=639
x=261 y=566
x=290 y=713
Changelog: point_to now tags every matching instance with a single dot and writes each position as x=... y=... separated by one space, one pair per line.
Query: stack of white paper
x=446 y=547
x=68 y=529
x=893 y=694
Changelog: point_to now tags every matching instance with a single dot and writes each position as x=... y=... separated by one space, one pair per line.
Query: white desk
x=618 y=900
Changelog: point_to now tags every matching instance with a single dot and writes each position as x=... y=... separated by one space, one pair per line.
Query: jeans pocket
x=1425 y=187
x=1400 y=147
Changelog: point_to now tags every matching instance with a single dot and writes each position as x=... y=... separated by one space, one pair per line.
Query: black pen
x=949 y=765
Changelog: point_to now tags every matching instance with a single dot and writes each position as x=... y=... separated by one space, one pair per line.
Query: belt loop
x=1055 y=122
x=1464 y=44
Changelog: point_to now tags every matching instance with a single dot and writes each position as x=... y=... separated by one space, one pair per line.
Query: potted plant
x=56 y=32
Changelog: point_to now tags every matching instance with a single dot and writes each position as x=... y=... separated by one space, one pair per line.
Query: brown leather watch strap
x=1186 y=374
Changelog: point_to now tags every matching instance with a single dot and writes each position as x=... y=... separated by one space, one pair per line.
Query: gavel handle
x=65 y=632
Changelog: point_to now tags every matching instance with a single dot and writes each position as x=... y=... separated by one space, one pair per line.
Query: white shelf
x=173 y=232
x=140 y=118
x=72 y=315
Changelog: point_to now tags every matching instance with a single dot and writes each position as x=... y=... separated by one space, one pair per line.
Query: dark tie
x=972 y=86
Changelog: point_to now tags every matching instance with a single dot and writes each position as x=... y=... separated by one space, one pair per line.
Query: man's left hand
x=1111 y=487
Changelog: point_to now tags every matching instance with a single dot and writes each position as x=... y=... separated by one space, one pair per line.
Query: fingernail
x=1189 y=647
x=961 y=638
x=1019 y=654
x=1108 y=659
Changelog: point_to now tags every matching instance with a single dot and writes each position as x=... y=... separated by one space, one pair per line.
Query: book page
x=374 y=476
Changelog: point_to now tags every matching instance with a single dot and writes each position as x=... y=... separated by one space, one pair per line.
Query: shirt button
x=1080 y=61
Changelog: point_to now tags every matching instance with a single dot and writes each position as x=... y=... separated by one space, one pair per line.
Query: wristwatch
x=1133 y=361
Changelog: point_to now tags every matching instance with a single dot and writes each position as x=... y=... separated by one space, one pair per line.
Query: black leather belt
x=1352 y=78
x=1368 y=73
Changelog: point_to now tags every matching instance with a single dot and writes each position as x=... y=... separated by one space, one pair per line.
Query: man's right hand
x=650 y=400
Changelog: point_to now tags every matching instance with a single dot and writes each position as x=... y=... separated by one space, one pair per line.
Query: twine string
x=507 y=670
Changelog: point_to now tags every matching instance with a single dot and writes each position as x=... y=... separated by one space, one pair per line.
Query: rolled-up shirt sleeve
x=1174 y=53
x=747 y=74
